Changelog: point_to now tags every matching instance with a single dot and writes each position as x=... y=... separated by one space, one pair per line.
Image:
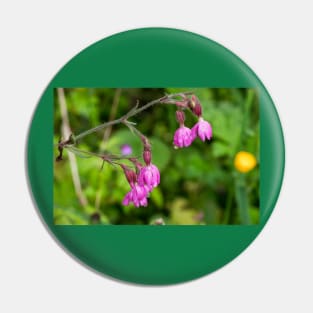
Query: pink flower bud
x=180 y=117
x=182 y=104
x=136 y=163
x=197 y=110
x=147 y=156
x=129 y=174
x=194 y=101
x=195 y=106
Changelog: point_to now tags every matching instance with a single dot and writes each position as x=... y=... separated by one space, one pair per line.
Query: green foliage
x=198 y=183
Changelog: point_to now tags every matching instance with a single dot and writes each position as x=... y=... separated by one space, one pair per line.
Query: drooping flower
x=182 y=137
x=149 y=176
x=137 y=195
x=202 y=129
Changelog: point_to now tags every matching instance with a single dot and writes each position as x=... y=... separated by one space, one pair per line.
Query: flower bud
x=147 y=156
x=195 y=106
x=137 y=164
x=180 y=117
x=182 y=104
x=192 y=102
x=197 y=110
x=129 y=174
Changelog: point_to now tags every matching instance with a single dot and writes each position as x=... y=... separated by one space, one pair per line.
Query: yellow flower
x=244 y=161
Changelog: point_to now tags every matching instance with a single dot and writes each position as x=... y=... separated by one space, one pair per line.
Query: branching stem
x=134 y=111
x=71 y=140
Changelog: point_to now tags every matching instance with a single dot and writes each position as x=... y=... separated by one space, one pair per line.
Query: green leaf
x=254 y=215
x=160 y=153
x=220 y=149
x=121 y=137
x=157 y=197
x=69 y=216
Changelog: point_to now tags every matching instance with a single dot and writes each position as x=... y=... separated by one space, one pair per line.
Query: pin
x=155 y=156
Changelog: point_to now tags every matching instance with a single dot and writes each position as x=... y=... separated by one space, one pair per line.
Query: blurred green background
x=199 y=184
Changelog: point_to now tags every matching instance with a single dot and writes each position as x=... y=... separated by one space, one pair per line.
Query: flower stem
x=227 y=213
x=245 y=109
x=242 y=199
x=132 y=112
x=111 y=158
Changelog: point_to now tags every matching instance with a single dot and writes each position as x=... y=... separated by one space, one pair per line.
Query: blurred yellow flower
x=244 y=161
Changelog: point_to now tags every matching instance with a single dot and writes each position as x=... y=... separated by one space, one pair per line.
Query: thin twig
x=132 y=112
x=66 y=133
x=133 y=129
x=103 y=156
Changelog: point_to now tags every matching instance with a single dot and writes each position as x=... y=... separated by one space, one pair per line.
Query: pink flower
x=182 y=137
x=137 y=195
x=149 y=176
x=202 y=129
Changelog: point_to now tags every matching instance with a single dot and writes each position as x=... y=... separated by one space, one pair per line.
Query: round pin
x=155 y=156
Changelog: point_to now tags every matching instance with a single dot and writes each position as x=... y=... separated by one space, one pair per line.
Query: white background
x=274 y=38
